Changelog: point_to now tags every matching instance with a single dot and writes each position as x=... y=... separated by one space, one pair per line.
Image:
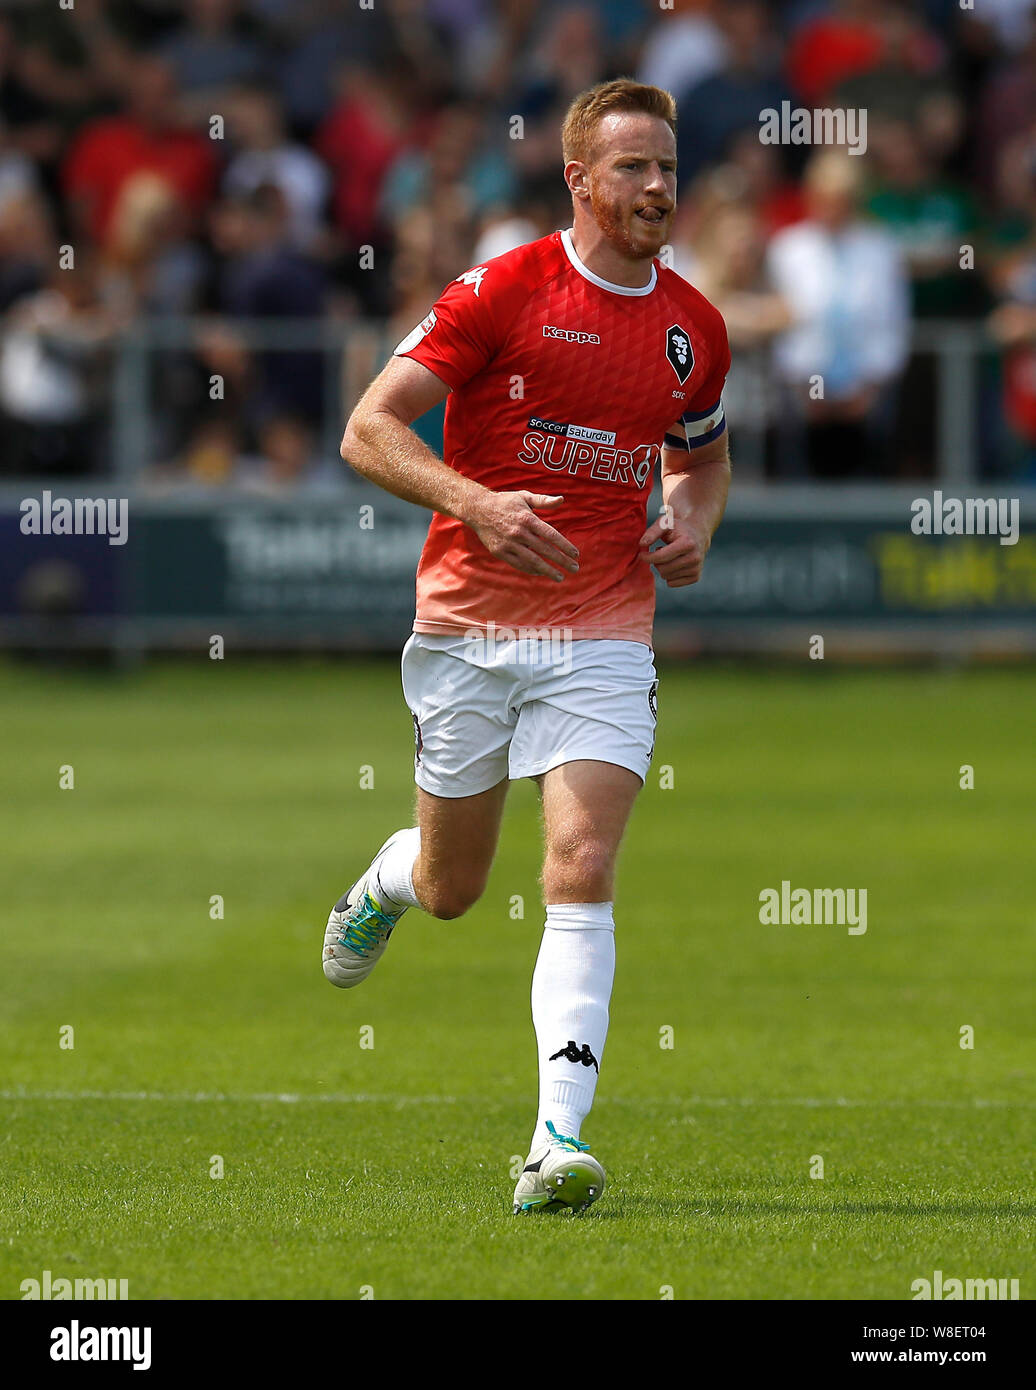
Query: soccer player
x=571 y=367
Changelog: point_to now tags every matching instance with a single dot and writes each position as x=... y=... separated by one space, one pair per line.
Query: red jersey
x=565 y=384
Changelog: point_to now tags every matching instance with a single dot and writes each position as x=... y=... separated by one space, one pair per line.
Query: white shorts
x=486 y=710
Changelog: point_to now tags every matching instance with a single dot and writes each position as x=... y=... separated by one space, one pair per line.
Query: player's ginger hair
x=579 y=131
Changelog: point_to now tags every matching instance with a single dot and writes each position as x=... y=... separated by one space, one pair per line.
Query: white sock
x=395 y=876
x=571 y=987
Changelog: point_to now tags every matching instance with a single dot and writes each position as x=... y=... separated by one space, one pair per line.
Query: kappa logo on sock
x=575 y=1054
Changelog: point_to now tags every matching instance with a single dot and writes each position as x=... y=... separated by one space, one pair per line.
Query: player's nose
x=655 y=181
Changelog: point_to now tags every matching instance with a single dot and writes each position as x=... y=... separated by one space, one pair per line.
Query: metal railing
x=352 y=352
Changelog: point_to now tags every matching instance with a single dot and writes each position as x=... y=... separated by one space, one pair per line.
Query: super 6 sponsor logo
x=602 y=463
x=569 y=335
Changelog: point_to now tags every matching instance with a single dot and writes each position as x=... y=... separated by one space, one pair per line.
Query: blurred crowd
x=341 y=160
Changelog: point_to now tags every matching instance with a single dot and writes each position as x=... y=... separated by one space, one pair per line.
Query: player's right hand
x=507 y=525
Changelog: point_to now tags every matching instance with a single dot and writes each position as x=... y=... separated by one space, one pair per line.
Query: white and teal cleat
x=561 y=1174
x=358 y=930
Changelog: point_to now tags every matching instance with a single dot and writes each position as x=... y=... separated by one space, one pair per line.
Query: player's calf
x=444 y=898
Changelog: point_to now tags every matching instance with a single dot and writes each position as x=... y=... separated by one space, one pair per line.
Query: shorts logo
x=418 y=740
x=653 y=700
x=679 y=352
x=472 y=278
x=569 y=335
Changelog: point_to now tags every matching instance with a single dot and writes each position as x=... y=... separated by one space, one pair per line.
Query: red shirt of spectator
x=111 y=152
x=360 y=140
x=147 y=138
x=826 y=52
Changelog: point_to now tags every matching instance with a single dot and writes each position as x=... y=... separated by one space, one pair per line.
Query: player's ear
x=577 y=176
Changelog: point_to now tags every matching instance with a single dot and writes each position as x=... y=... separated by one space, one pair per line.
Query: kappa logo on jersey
x=570 y=335
x=412 y=339
x=473 y=278
x=679 y=351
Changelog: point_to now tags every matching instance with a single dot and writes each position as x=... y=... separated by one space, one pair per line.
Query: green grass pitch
x=350 y=1169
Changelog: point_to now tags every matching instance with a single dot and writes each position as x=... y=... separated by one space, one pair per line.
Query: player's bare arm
x=694 y=492
x=379 y=444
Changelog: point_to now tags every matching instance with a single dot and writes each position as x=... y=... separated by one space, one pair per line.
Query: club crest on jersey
x=679 y=351
x=472 y=278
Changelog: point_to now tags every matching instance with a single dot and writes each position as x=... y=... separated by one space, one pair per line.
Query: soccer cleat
x=560 y=1174
x=358 y=929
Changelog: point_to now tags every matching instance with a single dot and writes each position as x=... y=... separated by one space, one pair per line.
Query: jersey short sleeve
x=464 y=330
x=703 y=420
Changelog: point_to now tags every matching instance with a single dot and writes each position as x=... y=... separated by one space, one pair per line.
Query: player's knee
x=582 y=871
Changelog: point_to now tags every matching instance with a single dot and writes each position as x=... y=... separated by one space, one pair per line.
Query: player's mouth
x=653 y=215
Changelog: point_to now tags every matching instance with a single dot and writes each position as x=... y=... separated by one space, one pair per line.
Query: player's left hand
x=680 y=557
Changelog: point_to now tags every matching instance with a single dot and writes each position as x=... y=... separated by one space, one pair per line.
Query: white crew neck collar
x=577 y=264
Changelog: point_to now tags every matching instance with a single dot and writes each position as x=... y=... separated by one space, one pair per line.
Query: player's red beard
x=609 y=216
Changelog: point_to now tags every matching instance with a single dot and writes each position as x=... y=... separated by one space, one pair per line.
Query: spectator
x=18 y=176
x=777 y=198
x=212 y=51
x=264 y=277
x=844 y=282
x=725 y=259
x=1012 y=324
x=28 y=247
x=51 y=359
x=148 y=137
x=685 y=47
x=307 y=71
x=263 y=154
x=930 y=217
x=840 y=41
x=730 y=101
x=1005 y=108
x=501 y=229
x=361 y=139
x=390 y=129
x=907 y=82
x=148 y=266
x=460 y=158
